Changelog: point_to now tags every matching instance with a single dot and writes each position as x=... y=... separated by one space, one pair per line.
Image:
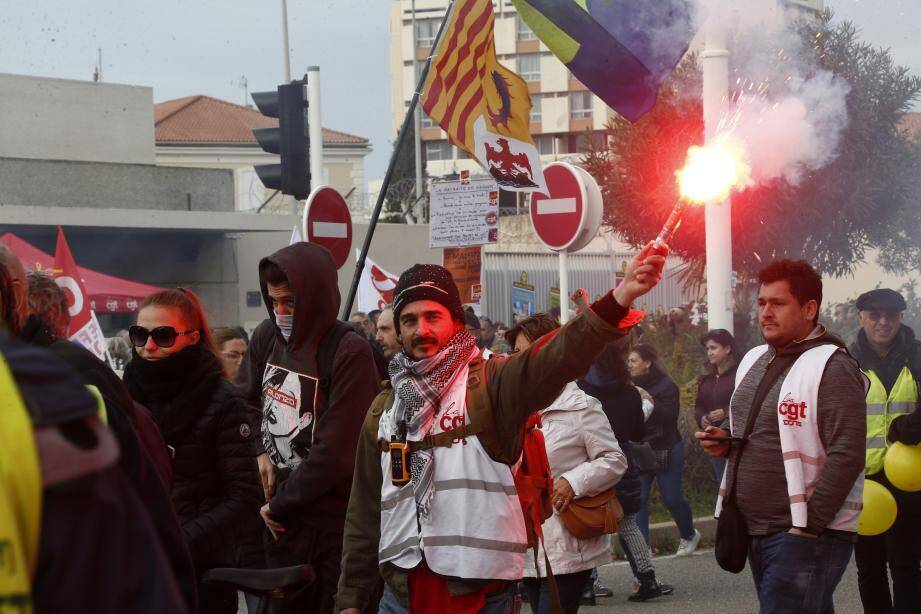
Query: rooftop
x=206 y=120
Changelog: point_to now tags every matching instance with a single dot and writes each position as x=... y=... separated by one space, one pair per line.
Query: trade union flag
x=622 y=50
x=483 y=106
x=84 y=327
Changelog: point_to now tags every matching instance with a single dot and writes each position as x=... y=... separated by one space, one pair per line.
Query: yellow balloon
x=903 y=466
x=879 y=509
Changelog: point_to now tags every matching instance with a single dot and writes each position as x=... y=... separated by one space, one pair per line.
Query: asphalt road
x=700 y=586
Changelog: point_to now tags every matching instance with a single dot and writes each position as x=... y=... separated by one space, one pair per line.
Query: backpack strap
x=326 y=355
x=479 y=410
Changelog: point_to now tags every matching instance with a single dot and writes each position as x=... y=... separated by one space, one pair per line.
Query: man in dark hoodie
x=890 y=356
x=311 y=420
x=798 y=478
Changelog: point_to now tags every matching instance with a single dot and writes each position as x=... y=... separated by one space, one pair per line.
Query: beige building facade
x=205 y=132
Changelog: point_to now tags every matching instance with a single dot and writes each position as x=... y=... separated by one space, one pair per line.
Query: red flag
x=84 y=327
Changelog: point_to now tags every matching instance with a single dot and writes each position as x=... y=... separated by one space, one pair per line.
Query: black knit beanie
x=426 y=282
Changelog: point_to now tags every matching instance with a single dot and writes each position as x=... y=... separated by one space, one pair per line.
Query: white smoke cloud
x=788 y=112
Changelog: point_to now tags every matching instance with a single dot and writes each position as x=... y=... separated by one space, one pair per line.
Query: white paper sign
x=463 y=214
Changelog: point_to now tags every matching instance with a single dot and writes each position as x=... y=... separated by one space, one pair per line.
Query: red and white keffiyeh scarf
x=419 y=387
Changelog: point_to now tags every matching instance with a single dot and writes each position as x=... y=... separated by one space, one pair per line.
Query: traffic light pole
x=401 y=137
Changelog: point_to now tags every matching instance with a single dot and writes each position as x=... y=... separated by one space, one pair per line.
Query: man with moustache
x=797 y=478
x=434 y=508
x=890 y=356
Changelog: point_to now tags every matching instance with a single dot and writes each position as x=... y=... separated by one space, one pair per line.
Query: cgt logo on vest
x=450 y=422
x=794 y=412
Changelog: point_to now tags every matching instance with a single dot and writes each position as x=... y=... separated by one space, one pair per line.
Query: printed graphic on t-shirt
x=288 y=410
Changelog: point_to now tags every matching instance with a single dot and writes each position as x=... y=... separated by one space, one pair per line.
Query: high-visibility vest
x=476 y=528
x=801 y=446
x=882 y=409
x=20 y=498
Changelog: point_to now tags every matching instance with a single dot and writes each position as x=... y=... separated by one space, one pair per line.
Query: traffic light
x=290 y=140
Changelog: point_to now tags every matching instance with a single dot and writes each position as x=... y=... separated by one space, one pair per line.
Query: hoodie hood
x=312 y=276
x=818 y=336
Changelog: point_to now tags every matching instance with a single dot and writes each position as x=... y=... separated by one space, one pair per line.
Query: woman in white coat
x=584 y=461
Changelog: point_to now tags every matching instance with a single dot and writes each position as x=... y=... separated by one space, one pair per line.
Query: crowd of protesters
x=373 y=450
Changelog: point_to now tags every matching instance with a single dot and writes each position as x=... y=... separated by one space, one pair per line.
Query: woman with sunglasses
x=176 y=373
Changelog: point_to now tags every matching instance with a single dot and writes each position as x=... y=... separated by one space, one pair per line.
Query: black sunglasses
x=163 y=336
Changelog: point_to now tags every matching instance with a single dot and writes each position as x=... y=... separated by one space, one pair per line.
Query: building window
x=523 y=31
x=426 y=29
x=529 y=66
x=427 y=121
x=544 y=144
x=438 y=150
x=535 y=109
x=580 y=105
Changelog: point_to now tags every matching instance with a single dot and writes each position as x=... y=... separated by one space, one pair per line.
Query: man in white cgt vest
x=797 y=479
x=434 y=508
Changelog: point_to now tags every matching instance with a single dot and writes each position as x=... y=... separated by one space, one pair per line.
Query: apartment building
x=563 y=113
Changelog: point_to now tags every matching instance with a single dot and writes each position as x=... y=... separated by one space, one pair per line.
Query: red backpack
x=534 y=482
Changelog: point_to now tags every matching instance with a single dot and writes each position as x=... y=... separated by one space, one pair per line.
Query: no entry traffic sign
x=569 y=218
x=328 y=222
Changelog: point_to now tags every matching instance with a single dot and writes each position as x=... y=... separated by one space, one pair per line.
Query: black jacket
x=662 y=426
x=623 y=406
x=216 y=485
x=98 y=550
x=310 y=428
x=713 y=392
x=143 y=457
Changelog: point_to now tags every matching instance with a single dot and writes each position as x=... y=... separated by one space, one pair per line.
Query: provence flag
x=482 y=106
x=622 y=50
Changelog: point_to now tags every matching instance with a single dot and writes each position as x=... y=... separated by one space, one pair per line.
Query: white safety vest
x=476 y=527
x=803 y=452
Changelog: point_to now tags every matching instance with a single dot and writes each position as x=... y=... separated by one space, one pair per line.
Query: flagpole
x=401 y=136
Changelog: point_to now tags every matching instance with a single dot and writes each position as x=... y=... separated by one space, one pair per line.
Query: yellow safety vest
x=20 y=498
x=882 y=409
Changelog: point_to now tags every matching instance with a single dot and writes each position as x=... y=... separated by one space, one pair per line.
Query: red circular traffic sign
x=557 y=219
x=569 y=218
x=328 y=222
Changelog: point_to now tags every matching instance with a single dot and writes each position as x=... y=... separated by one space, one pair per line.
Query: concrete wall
x=119 y=186
x=395 y=247
x=59 y=119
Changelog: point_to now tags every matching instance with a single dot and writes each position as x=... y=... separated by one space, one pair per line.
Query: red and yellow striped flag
x=483 y=106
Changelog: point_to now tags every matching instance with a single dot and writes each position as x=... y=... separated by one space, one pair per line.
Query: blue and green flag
x=622 y=50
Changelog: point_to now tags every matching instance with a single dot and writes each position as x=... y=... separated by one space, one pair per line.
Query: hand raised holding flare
x=642 y=274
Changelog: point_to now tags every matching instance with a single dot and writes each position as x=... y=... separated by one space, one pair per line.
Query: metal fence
x=596 y=272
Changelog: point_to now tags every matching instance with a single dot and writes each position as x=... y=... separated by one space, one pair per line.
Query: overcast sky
x=186 y=47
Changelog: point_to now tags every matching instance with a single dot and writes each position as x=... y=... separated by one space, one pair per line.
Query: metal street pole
x=417 y=127
x=718 y=215
x=401 y=136
x=564 y=287
x=284 y=32
x=315 y=126
x=295 y=206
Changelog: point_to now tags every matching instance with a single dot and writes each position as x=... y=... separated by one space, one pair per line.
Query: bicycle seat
x=261 y=581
